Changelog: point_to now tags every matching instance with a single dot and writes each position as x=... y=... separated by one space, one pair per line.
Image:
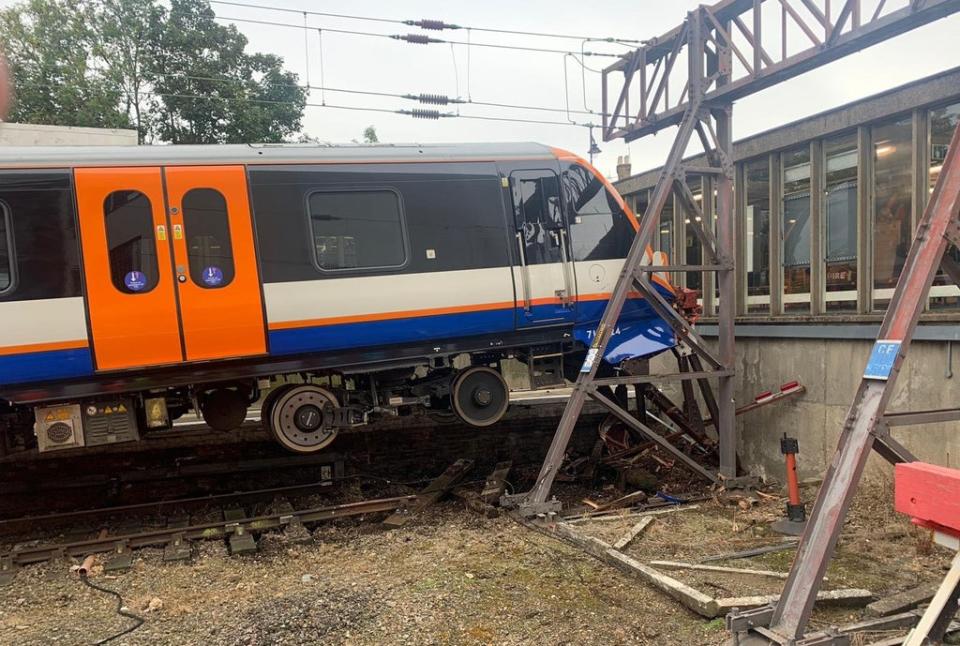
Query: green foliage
x=173 y=73
x=370 y=135
x=55 y=81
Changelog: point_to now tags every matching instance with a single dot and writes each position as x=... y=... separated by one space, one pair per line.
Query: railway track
x=240 y=532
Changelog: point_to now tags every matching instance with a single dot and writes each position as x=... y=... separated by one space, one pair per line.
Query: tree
x=47 y=44
x=173 y=73
x=208 y=90
x=370 y=135
x=126 y=31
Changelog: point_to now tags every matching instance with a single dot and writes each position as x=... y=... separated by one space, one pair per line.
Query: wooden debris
x=689 y=597
x=634 y=531
x=903 y=601
x=756 y=551
x=613 y=515
x=473 y=502
x=851 y=597
x=624 y=501
x=686 y=595
x=675 y=565
x=496 y=483
x=431 y=494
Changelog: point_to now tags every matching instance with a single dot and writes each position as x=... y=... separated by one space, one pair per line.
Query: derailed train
x=138 y=283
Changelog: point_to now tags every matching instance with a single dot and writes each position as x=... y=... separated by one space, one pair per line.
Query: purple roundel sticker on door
x=135 y=280
x=212 y=276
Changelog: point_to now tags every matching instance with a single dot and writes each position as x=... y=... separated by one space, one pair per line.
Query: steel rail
x=205 y=531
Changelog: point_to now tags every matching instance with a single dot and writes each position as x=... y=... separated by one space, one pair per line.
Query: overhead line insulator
x=436 y=25
x=418 y=113
x=417 y=39
x=433 y=99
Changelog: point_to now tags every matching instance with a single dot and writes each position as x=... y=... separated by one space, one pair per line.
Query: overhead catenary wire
x=433 y=99
x=417 y=39
x=416 y=113
x=428 y=24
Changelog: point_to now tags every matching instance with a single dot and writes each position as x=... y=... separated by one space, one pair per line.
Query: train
x=329 y=285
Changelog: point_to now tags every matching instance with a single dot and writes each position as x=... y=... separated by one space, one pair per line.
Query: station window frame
x=404 y=235
x=7 y=216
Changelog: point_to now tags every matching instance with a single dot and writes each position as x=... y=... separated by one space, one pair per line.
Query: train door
x=169 y=263
x=546 y=290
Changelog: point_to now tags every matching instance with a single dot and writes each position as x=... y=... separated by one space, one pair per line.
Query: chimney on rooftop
x=623 y=167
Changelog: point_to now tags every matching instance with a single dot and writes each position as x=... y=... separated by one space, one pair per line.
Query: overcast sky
x=530 y=78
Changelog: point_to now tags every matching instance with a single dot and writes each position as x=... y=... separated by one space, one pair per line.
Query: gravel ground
x=448 y=577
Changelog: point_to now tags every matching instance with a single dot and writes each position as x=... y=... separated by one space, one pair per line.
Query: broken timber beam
x=431 y=494
x=756 y=551
x=676 y=565
x=903 y=601
x=847 y=597
x=634 y=531
x=496 y=483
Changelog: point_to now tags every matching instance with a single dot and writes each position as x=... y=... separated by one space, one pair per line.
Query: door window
x=130 y=242
x=207 y=232
x=536 y=202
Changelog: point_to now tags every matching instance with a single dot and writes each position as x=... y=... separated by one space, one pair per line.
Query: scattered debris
x=903 y=601
x=756 y=551
x=634 y=531
x=431 y=494
x=675 y=565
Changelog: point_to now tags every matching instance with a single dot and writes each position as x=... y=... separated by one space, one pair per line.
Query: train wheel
x=479 y=396
x=301 y=418
x=266 y=407
x=223 y=409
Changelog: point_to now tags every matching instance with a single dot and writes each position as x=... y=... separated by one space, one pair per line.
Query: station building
x=825 y=212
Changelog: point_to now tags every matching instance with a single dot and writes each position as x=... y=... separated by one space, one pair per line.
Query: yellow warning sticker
x=161 y=232
x=178 y=232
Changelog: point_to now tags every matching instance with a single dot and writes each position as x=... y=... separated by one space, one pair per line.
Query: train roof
x=68 y=156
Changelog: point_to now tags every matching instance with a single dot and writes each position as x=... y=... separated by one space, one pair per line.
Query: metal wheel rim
x=491 y=377
x=284 y=414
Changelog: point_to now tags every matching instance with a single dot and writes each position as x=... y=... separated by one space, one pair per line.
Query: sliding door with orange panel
x=221 y=307
x=127 y=269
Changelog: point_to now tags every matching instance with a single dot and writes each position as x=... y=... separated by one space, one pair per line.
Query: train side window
x=207 y=232
x=133 y=250
x=6 y=249
x=599 y=228
x=357 y=229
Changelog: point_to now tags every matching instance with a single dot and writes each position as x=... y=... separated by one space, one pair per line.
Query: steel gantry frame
x=721 y=64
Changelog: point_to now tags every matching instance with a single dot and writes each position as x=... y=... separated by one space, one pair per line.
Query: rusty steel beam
x=841 y=35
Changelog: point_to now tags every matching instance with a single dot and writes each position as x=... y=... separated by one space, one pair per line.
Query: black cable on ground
x=120 y=610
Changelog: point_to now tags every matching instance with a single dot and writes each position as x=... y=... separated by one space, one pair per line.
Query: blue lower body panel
x=45 y=366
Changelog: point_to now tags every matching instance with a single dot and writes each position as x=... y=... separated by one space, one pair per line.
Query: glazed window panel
x=207 y=231
x=795 y=228
x=693 y=250
x=840 y=212
x=6 y=249
x=942 y=124
x=599 y=227
x=893 y=179
x=357 y=229
x=665 y=231
x=757 y=232
x=128 y=216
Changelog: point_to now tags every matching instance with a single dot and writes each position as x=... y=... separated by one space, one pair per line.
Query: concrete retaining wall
x=27 y=134
x=830 y=370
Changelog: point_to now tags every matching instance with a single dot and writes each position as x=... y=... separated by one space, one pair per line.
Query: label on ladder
x=591 y=357
x=882 y=358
